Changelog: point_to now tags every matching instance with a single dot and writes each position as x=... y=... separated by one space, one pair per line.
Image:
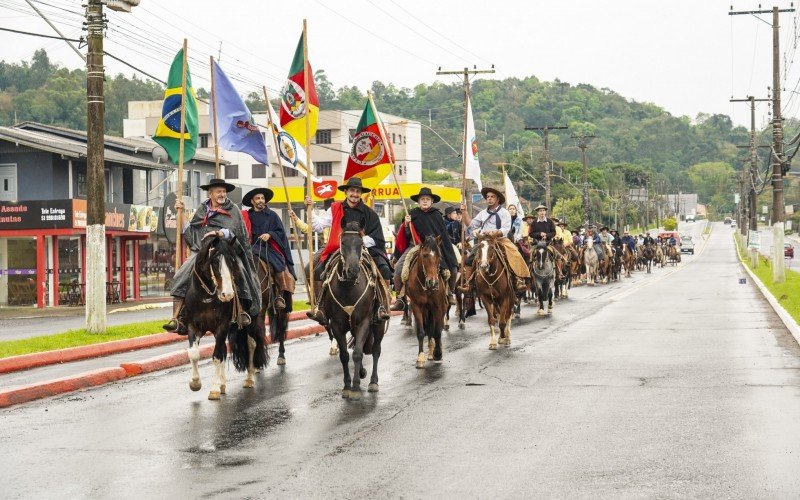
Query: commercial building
x=43 y=215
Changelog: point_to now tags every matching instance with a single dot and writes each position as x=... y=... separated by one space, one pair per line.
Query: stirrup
x=279 y=303
x=175 y=325
x=243 y=319
x=398 y=305
x=382 y=314
x=317 y=316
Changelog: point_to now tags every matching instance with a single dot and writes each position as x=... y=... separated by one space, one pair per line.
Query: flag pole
x=391 y=152
x=214 y=107
x=283 y=180
x=309 y=192
x=179 y=215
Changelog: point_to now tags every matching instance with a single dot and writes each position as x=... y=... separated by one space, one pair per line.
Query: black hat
x=248 y=198
x=354 y=182
x=426 y=191
x=218 y=183
x=449 y=210
x=604 y=228
x=614 y=230
x=499 y=194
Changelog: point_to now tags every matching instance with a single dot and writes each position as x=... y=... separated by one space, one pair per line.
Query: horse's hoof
x=355 y=395
x=461 y=326
x=213 y=395
x=492 y=347
x=446 y=328
x=222 y=389
x=248 y=384
x=345 y=393
x=281 y=361
x=373 y=387
x=516 y=315
x=195 y=385
x=430 y=357
x=333 y=351
x=540 y=312
x=420 y=364
x=549 y=311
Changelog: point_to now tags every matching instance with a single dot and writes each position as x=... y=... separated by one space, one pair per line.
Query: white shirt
x=480 y=224
x=320 y=222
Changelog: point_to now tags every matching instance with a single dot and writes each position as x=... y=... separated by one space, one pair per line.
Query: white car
x=733 y=223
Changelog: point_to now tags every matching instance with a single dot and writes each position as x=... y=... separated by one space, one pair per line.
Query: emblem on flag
x=367 y=148
x=287 y=147
x=474 y=147
x=325 y=189
x=293 y=99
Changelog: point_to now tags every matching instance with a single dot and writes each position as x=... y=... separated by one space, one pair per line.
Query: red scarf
x=337 y=212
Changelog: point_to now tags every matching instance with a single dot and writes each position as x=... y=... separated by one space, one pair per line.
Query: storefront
x=43 y=253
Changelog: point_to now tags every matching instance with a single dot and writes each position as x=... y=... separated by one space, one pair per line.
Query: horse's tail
x=239 y=348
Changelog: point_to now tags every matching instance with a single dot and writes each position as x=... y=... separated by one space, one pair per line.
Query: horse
x=543 y=273
x=628 y=260
x=604 y=264
x=661 y=258
x=428 y=292
x=209 y=306
x=591 y=261
x=674 y=255
x=616 y=263
x=351 y=284
x=648 y=254
x=465 y=305
x=563 y=269
x=278 y=317
x=494 y=284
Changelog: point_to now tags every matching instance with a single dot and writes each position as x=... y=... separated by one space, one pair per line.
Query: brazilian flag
x=168 y=130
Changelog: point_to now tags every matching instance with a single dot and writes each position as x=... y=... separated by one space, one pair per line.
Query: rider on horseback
x=218 y=217
x=269 y=242
x=452 y=224
x=494 y=219
x=342 y=212
x=597 y=243
x=421 y=222
x=630 y=241
x=543 y=228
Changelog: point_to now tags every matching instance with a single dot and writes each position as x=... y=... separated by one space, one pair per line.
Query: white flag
x=291 y=154
x=472 y=168
x=511 y=196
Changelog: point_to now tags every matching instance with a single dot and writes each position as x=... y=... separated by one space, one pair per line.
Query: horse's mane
x=221 y=246
x=430 y=243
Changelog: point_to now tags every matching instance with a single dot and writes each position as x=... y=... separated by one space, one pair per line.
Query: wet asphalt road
x=681 y=383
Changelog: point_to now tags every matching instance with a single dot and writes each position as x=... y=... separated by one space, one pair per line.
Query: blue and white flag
x=236 y=127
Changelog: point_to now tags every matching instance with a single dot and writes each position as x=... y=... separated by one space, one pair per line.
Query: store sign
x=50 y=214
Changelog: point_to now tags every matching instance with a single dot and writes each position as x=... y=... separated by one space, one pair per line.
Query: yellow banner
x=383 y=192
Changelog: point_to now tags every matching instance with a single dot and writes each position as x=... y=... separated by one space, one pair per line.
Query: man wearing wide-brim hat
x=495 y=219
x=270 y=244
x=423 y=221
x=340 y=214
x=217 y=217
x=542 y=229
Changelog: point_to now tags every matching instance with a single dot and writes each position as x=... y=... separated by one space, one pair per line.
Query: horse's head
x=351 y=244
x=429 y=258
x=589 y=242
x=216 y=263
x=484 y=247
x=541 y=255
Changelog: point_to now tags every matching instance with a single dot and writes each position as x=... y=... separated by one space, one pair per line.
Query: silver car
x=687 y=245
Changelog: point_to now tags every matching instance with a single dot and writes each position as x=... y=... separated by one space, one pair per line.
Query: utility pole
x=582 y=144
x=96 y=262
x=778 y=159
x=466 y=72
x=747 y=198
x=547 y=164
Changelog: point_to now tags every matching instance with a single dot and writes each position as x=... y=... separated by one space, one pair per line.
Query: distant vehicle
x=788 y=251
x=687 y=245
x=727 y=220
x=690 y=218
x=733 y=223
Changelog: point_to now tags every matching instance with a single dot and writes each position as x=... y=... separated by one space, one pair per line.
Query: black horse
x=648 y=254
x=543 y=273
x=209 y=305
x=350 y=305
x=278 y=317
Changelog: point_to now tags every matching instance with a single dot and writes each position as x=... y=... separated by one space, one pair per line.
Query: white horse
x=591 y=262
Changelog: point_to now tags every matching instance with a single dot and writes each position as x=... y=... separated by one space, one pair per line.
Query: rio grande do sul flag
x=472 y=168
x=370 y=157
x=295 y=97
x=167 y=133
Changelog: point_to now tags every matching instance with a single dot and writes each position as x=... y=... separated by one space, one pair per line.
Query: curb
x=58 y=386
x=784 y=315
x=35 y=360
x=103 y=376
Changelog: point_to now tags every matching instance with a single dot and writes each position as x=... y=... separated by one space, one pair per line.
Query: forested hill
x=641 y=140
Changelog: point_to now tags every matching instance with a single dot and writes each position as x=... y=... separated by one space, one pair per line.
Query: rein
x=336 y=271
x=202 y=283
x=425 y=275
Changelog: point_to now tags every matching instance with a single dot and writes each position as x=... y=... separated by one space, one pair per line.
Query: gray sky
x=686 y=56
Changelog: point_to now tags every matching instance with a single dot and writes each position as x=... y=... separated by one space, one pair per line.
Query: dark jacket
x=454 y=229
x=431 y=223
x=276 y=251
x=537 y=227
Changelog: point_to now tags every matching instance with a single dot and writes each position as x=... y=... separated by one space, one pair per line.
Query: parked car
x=687 y=245
x=733 y=224
x=788 y=250
x=727 y=220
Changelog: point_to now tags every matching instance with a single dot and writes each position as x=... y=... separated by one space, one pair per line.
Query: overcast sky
x=686 y=56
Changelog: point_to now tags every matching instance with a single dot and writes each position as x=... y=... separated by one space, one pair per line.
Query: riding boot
x=316 y=314
x=175 y=324
x=382 y=314
x=521 y=286
x=279 y=303
x=399 y=304
x=451 y=286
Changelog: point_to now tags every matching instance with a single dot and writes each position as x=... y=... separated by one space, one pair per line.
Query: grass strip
x=786 y=293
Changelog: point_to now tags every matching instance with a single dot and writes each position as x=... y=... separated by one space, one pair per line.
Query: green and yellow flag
x=371 y=157
x=168 y=130
x=295 y=97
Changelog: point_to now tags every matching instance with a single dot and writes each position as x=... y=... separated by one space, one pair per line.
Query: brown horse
x=628 y=260
x=493 y=282
x=278 y=317
x=427 y=291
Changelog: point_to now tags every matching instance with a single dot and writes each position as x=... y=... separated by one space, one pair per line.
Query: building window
x=324 y=167
x=204 y=140
x=393 y=142
x=231 y=171
x=82 y=184
x=352 y=133
x=323 y=136
x=259 y=171
x=290 y=172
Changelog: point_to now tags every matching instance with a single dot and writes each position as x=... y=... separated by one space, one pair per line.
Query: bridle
x=337 y=270
x=423 y=284
x=214 y=278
